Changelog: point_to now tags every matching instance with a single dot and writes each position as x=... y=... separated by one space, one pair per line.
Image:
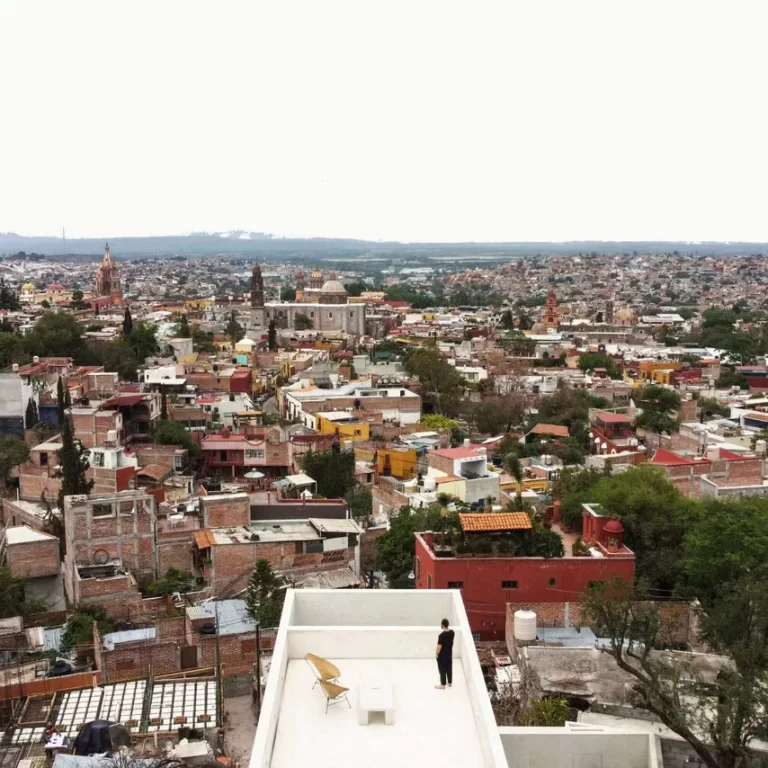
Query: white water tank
x=429 y=484
x=713 y=453
x=525 y=625
x=760 y=447
x=111 y=436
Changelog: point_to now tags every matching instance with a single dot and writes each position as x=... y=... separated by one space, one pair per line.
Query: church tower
x=107 y=278
x=550 y=311
x=258 y=314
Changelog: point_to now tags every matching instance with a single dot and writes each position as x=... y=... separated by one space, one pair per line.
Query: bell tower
x=550 y=311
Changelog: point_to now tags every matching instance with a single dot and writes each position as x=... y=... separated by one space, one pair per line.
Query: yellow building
x=340 y=423
x=397 y=463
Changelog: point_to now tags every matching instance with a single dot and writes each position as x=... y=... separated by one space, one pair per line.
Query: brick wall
x=174 y=554
x=34 y=559
x=226 y=511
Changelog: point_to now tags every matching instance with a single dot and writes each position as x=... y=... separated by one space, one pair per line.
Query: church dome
x=333 y=286
x=56 y=287
x=28 y=288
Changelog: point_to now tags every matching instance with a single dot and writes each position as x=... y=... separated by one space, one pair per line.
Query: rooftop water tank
x=525 y=625
x=760 y=447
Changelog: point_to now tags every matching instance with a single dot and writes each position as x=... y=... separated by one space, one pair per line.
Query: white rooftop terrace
x=375 y=635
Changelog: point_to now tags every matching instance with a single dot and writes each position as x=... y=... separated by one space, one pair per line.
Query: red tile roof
x=549 y=429
x=612 y=418
x=498 y=521
x=665 y=458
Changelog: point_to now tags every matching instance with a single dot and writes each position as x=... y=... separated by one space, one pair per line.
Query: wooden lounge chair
x=334 y=693
x=322 y=669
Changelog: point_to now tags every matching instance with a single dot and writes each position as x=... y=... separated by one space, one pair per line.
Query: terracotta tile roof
x=472 y=452
x=665 y=458
x=155 y=471
x=549 y=429
x=612 y=418
x=495 y=521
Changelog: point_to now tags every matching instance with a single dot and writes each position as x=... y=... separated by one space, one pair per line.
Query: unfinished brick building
x=30 y=554
x=110 y=549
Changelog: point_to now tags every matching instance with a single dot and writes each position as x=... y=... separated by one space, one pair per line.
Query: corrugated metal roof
x=233 y=616
x=338 y=578
x=128 y=636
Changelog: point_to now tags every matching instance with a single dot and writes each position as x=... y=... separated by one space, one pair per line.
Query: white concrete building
x=383 y=643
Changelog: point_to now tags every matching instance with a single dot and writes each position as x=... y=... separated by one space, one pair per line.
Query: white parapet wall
x=575 y=744
x=374 y=629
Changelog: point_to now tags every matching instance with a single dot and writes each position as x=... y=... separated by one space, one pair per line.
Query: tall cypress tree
x=272 y=337
x=73 y=464
x=127 y=323
x=163 y=405
x=32 y=416
x=61 y=400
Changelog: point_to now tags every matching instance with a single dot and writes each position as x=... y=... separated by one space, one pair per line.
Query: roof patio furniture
x=334 y=693
x=322 y=669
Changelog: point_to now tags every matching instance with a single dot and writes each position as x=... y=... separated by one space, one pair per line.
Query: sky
x=413 y=121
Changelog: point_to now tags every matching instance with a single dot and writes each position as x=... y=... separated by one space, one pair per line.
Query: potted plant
x=613 y=544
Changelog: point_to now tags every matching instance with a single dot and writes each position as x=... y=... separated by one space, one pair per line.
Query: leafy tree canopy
x=334 y=472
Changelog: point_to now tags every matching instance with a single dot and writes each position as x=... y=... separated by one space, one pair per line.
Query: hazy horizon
x=429 y=122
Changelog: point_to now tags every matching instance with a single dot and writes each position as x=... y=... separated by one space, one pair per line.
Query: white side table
x=376 y=697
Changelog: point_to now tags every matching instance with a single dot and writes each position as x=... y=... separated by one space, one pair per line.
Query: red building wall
x=538 y=581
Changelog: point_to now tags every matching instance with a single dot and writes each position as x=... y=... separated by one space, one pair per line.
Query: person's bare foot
x=440 y=687
x=450 y=685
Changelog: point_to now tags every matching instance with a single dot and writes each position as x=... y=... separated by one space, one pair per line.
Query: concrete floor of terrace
x=434 y=727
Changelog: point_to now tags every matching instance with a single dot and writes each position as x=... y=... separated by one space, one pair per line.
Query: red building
x=489 y=582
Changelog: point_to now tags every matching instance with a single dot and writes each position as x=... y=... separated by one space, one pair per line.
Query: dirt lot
x=240 y=728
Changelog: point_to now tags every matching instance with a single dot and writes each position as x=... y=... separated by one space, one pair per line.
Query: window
x=509 y=584
x=126 y=508
x=330 y=315
x=222 y=455
x=429 y=581
x=552 y=582
x=101 y=510
x=455 y=585
x=418 y=562
x=43 y=459
x=476 y=636
x=98 y=459
x=257 y=454
x=351 y=314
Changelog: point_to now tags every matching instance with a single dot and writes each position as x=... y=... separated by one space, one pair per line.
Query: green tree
x=334 y=472
x=441 y=383
x=272 y=336
x=303 y=323
x=61 y=400
x=73 y=464
x=658 y=408
x=436 y=421
x=56 y=334
x=13 y=601
x=127 y=323
x=119 y=356
x=13 y=452
x=656 y=518
x=173 y=581
x=233 y=329
x=202 y=341
x=265 y=595
x=79 y=628
x=183 y=331
x=589 y=361
x=31 y=417
x=287 y=293
x=8 y=298
x=174 y=433
x=77 y=301
x=360 y=503
x=507 y=320
x=546 y=713
x=12 y=350
x=718 y=719
x=515 y=468
x=143 y=340
x=396 y=549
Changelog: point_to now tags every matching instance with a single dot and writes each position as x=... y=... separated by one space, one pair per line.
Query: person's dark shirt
x=445 y=641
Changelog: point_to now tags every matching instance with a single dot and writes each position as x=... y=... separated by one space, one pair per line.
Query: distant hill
x=258 y=245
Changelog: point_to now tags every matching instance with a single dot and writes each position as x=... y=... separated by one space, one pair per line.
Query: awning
x=254 y=474
x=204 y=539
x=155 y=471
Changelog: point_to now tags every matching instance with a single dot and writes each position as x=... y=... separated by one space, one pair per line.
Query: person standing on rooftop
x=444 y=655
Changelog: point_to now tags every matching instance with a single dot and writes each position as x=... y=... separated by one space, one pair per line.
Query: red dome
x=613 y=526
